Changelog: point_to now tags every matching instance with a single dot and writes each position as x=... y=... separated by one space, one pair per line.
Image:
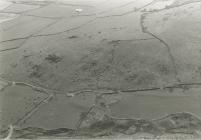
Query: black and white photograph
x=100 y=69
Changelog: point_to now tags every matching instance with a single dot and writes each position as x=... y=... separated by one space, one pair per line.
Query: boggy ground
x=111 y=70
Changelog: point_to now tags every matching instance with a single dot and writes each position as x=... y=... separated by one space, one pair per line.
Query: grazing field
x=100 y=69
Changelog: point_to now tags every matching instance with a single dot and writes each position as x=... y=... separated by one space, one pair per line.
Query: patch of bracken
x=35 y=71
x=73 y=37
x=53 y=58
